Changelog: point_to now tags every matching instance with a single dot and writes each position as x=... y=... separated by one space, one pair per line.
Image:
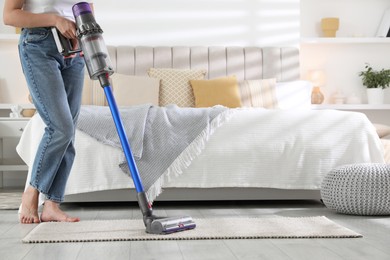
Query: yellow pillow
x=220 y=91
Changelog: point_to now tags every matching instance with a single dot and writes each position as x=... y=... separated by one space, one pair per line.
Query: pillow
x=86 y=98
x=294 y=94
x=175 y=87
x=259 y=93
x=220 y=91
x=382 y=130
x=135 y=90
x=93 y=93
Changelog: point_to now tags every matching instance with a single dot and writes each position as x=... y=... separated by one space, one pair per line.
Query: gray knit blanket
x=164 y=140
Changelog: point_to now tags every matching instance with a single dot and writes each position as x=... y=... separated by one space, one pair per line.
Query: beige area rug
x=212 y=228
x=10 y=199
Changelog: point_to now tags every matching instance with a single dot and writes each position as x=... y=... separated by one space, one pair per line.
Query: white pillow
x=294 y=94
x=135 y=90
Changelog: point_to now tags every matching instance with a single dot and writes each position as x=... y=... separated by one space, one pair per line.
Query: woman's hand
x=66 y=27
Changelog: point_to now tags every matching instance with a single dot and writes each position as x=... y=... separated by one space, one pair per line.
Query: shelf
x=13 y=168
x=352 y=106
x=347 y=40
x=15 y=118
x=9 y=106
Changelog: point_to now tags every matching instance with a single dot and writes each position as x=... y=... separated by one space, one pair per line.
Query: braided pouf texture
x=358 y=189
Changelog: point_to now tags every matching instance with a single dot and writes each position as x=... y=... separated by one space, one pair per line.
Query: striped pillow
x=259 y=93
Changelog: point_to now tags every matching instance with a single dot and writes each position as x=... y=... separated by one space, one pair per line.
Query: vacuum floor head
x=170 y=225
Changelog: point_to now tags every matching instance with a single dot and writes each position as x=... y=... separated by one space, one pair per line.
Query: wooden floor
x=374 y=245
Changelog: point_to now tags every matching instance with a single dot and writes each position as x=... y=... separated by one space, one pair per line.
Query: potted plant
x=375 y=81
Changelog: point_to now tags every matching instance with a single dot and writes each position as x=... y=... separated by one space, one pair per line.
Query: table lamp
x=317 y=77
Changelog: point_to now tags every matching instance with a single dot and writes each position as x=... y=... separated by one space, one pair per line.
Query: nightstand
x=11 y=130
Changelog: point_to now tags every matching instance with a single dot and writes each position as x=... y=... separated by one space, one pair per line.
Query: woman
x=55 y=84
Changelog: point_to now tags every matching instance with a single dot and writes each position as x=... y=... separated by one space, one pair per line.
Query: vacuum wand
x=99 y=67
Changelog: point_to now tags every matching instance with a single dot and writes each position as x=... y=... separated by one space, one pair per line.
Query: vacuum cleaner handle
x=64 y=45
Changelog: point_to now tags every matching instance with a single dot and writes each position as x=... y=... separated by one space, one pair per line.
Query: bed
x=271 y=147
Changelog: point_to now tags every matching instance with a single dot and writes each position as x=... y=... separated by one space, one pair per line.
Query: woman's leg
x=73 y=77
x=43 y=66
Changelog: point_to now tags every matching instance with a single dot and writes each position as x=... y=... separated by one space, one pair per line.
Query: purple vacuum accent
x=81 y=8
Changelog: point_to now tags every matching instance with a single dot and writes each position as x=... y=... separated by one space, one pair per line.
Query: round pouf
x=358 y=189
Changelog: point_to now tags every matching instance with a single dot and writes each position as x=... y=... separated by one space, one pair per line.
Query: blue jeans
x=55 y=86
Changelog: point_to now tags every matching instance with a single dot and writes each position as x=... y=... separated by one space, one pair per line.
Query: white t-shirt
x=60 y=7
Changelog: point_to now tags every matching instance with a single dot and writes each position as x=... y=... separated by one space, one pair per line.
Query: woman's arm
x=14 y=15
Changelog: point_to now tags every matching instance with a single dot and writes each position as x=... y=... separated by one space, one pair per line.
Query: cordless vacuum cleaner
x=99 y=68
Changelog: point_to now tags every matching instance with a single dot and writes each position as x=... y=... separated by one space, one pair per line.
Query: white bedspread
x=288 y=149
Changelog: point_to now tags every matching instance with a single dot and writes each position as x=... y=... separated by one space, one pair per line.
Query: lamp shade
x=317 y=77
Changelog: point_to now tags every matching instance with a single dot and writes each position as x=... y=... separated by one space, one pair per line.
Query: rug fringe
x=184 y=160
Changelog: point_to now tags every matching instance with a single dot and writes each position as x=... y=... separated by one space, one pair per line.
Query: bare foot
x=29 y=209
x=52 y=212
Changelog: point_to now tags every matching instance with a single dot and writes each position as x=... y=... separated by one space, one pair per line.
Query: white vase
x=375 y=96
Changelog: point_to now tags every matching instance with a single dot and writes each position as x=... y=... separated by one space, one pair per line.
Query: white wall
x=342 y=63
x=358 y=18
x=13 y=88
x=172 y=22
x=201 y=22
x=233 y=22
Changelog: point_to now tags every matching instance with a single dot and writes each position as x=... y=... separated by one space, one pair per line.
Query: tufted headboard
x=243 y=62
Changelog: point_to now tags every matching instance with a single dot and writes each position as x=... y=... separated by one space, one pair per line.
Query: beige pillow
x=259 y=93
x=386 y=146
x=382 y=130
x=135 y=90
x=175 y=87
x=220 y=91
x=86 y=98
x=93 y=94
